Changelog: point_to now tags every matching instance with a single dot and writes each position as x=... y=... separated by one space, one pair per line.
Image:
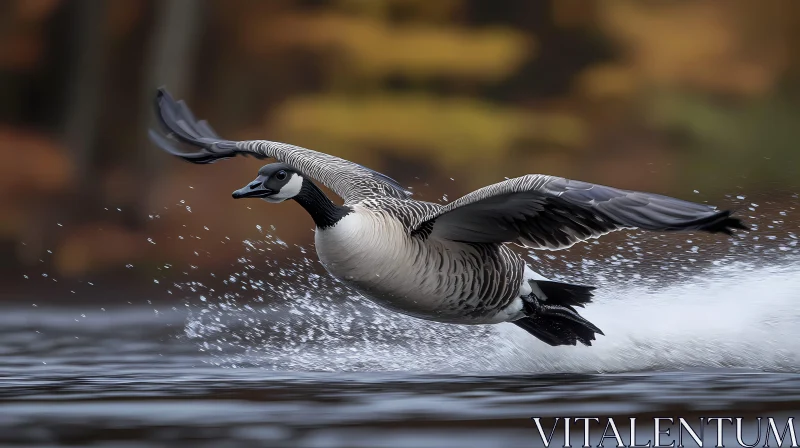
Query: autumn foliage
x=642 y=94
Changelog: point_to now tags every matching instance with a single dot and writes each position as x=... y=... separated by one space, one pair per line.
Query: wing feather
x=349 y=180
x=547 y=212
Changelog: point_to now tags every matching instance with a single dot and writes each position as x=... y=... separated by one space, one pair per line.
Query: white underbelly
x=375 y=257
x=373 y=254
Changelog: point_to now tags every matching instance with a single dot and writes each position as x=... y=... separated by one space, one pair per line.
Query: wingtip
x=725 y=223
x=162 y=96
x=737 y=223
x=162 y=91
x=180 y=126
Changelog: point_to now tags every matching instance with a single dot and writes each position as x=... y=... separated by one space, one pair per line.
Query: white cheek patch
x=288 y=191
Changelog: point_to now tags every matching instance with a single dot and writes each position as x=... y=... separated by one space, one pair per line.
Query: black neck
x=322 y=210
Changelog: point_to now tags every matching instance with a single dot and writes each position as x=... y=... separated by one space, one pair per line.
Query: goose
x=446 y=263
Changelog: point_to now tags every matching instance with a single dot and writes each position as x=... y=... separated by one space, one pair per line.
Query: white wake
x=664 y=302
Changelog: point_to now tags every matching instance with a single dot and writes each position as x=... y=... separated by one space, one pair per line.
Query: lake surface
x=284 y=357
x=136 y=376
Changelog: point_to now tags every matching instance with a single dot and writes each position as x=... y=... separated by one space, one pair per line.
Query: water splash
x=665 y=302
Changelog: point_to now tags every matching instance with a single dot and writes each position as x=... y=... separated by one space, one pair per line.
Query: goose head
x=275 y=183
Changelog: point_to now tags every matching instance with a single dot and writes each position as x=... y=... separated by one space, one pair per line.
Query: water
x=270 y=355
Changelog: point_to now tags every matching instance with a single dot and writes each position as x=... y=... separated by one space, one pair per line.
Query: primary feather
x=349 y=180
x=547 y=212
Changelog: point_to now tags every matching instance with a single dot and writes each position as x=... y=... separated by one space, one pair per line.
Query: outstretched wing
x=349 y=180
x=547 y=212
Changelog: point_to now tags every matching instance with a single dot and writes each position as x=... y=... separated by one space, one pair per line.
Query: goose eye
x=280 y=175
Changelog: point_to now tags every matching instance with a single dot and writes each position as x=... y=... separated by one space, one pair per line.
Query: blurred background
x=139 y=302
x=447 y=96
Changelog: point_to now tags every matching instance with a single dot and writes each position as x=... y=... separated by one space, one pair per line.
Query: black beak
x=256 y=189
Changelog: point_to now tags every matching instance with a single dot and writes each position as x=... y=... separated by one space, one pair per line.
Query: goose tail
x=552 y=317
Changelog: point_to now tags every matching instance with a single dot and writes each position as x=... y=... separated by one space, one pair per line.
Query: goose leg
x=553 y=319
